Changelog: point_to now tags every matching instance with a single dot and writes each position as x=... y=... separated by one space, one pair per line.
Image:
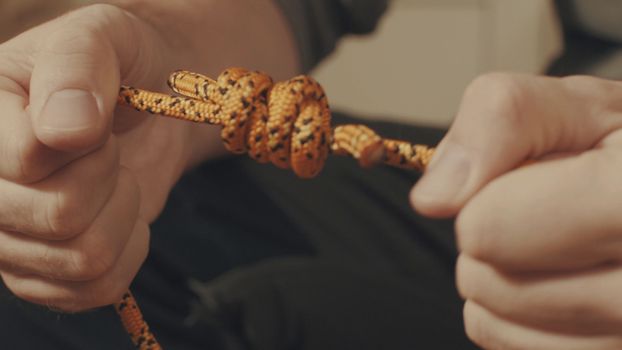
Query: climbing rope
x=287 y=124
x=135 y=324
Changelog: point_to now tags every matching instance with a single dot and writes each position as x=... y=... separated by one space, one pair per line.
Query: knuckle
x=21 y=171
x=86 y=265
x=99 y=19
x=62 y=217
x=476 y=330
x=14 y=285
x=100 y=11
x=471 y=236
x=52 y=264
x=583 y=81
x=505 y=94
x=68 y=300
x=462 y=278
x=102 y=294
x=70 y=205
x=93 y=20
x=616 y=315
x=608 y=92
x=25 y=167
x=84 y=31
x=473 y=327
x=40 y=295
x=585 y=85
x=28 y=295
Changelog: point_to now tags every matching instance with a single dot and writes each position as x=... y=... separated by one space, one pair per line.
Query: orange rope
x=287 y=124
x=134 y=324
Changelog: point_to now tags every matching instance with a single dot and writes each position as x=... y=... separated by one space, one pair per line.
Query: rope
x=134 y=323
x=286 y=124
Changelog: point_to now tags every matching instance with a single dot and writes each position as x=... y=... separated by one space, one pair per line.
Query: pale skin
x=540 y=244
x=81 y=180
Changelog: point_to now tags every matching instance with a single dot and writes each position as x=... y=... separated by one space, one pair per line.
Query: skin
x=81 y=180
x=540 y=244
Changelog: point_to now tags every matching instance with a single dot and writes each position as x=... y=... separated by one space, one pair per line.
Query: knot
x=287 y=123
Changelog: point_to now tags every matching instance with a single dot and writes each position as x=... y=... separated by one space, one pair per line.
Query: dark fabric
x=246 y=256
x=319 y=24
x=599 y=18
x=589 y=39
x=583 y=54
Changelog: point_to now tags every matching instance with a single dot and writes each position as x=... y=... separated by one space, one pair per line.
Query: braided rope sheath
x=135 y=325
x=287 y=124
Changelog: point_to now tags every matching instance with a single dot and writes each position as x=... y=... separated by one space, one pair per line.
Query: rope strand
x=287 y=124
x=135 y=324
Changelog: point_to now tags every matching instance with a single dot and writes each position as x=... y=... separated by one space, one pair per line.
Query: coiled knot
x=287 y=123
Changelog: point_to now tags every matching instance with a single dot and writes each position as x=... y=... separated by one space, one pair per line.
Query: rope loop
x=287 y=123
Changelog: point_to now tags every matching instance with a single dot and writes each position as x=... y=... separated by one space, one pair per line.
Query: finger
x=74 y=83
x=84 y=257
x=65 y=203
x=492 y=332
x=24 y=159
x=585 y=302
x=79 y=62
x=80 y=296
x=506 y=119
x=558 y=214
x=72 y=88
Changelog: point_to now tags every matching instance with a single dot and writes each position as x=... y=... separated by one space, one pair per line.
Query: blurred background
x=415 y=67
x=425 y=52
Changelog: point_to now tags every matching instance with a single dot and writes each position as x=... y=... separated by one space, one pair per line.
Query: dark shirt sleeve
x=319 y=24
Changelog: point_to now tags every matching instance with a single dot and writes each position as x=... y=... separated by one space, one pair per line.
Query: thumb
x=505 y=120
x=76 y=77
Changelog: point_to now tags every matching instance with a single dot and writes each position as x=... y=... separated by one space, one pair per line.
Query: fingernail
x=445 y=178
x=69 y=110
